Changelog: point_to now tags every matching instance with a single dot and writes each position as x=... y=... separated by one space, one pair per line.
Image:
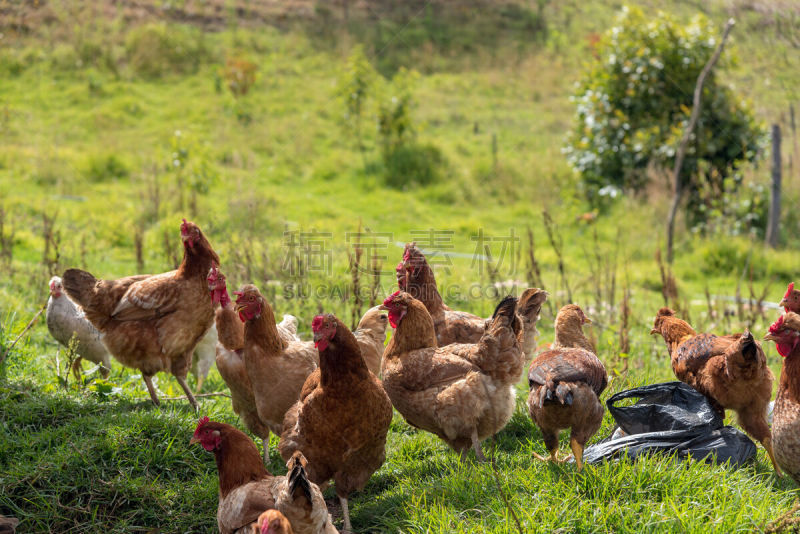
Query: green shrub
x=736 y=256
x=105 y=167
x=635 y=101
x=412 y=164
x=156 y=50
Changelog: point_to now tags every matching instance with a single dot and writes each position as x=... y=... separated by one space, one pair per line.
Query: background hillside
x=117 y=119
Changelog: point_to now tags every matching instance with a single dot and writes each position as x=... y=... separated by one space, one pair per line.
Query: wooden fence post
x=773 y=224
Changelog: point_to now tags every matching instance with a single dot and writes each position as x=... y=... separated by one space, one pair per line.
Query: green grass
x=88 y=115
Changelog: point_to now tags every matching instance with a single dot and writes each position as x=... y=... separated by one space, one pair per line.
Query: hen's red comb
x=776 y=326
x=388 y=300
x=789 y=290
x=202 y=422
x=316 y=324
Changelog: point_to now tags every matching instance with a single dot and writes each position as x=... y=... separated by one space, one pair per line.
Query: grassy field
x=110 y=137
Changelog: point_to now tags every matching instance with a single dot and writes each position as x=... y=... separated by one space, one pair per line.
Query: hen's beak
x=383 y=308
x=193 y=440
x=653 y=331
x=769 y=337
x=783 y=303
x=317 y=336
x=586 y=320
x=238 y=308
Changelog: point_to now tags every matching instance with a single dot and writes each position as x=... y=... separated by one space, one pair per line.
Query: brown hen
x=343 y=416
x=230 y=362
x=247 y=489
x=415 y=276
x=731 y=370
x=565 y=385
x=276 y=368
x=785 y=332
x=371 y=335
x=463 y=393
x=152 y=322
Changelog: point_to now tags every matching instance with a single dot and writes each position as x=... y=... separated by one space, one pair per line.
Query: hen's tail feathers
x=530 y=303
x=507 y=309
x=555 y=394
x=298 y=479
x=748 y=346
x=665 y=312
x=289 y=322
x=79 y=285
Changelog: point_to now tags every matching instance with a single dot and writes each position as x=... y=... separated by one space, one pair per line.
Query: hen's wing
x=432 y=368
x=693 y=354
x=568 y=365
x=150 y=298
x=459 y=327
x=498 y=353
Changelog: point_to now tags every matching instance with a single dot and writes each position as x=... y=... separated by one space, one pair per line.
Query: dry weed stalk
x=138 y=243
x=52 y=244
x=376 y=281
x=534 y=273
x=354 y=258
x=669 y=286
x=557 y=242
x=170 y=253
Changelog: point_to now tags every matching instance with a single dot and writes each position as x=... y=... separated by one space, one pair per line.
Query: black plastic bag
x=670 y=417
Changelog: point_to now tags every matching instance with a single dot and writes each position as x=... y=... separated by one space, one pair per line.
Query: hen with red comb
x=785 y=332
x=247 y=489
x=153 y=322
x=791 y=299
x=343 y=415
x=275 y=367
x=731 y=370
x=415 y=276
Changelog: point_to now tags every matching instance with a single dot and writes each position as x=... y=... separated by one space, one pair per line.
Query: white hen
x=65 y=319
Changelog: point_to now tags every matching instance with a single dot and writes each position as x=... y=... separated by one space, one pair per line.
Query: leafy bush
x=354 y=87
x=412 y=164
x=155 y=50
x=395 y=125
x=635 y=101
x=105 y=167
x=406 y=162
x=737 y=211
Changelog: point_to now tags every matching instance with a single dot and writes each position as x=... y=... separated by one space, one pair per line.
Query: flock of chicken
x=447 y=372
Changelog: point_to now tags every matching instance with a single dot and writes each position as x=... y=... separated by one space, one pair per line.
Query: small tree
x=635 y=101
x=354 y=87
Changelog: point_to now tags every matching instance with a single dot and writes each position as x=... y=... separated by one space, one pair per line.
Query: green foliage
x=105 y=167
x=102 y=459
x=155 y=50
x=355 y=85
x=395 y=123
x=740 y=257
x=412 y=164
x=738 y=210
x=635 y=100
x=406 y=161
x=435 y=36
